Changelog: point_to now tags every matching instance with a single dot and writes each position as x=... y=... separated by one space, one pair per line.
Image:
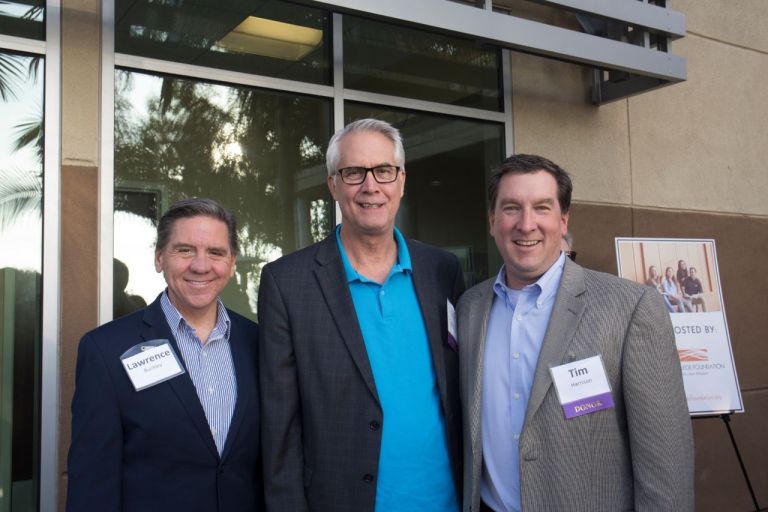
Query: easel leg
x=727 y=420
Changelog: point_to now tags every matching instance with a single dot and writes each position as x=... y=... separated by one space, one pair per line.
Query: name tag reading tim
x=151 y=362
x=582 y=387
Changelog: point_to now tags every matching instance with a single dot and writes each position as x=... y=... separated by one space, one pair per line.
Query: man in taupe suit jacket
x=360 y=390
x=524 y=333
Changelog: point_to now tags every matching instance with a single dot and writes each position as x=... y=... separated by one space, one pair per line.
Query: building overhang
x=626 y=42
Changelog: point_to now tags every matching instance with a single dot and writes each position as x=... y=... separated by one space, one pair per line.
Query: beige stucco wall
x=699 y=145
x=732 y=22
x=80 y=81
x=553 y=117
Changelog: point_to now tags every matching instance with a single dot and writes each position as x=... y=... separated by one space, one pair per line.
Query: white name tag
x=151 y=362
x=582 y=386
x=452 y=336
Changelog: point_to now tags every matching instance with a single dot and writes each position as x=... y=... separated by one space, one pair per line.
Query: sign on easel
x=685 y=272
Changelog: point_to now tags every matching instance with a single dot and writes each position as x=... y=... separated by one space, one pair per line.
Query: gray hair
x=195 y=207
x=332 y=156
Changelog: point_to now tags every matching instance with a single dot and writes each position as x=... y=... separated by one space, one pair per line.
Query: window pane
x=448 y=161
x=387 y=59
x=264 y=37
x=21 y=194
x=259 y=153
x=25 y=18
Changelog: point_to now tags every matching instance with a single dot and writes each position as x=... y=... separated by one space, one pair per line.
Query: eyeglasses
x=357 y=175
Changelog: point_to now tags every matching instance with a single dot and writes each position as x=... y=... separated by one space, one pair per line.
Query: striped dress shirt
x=210 y=367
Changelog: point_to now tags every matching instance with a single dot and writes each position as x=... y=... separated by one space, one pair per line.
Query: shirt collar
x=176 y=321
x=403 y=263
x=546 y=285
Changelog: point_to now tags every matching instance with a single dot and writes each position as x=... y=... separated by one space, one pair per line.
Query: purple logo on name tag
x=452 y=342
x=588 y=405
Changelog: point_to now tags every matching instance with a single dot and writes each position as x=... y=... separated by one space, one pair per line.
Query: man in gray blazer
x=570 y=383
x=360 y=383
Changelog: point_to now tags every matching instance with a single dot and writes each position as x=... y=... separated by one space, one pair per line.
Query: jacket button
x=367 y=478
x=375 y=425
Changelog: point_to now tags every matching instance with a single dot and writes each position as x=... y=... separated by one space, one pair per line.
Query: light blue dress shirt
x=516 y=328
x=414 y=472
x=210 y=367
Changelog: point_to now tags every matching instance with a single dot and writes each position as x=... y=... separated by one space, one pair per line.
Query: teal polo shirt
x=414 y=467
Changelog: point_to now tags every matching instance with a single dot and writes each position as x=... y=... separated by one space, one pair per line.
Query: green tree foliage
x=259 y=153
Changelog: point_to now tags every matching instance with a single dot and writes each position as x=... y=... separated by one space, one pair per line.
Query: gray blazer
x=322 y=420
x=635 y=456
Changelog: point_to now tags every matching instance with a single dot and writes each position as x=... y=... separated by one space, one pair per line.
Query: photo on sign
x=683 y=272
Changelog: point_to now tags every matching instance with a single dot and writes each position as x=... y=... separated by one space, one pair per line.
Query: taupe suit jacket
x=635 y=456
x=322 y=419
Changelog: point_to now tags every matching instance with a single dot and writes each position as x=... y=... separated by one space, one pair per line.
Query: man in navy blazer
x=359 y=380
x=189 y=442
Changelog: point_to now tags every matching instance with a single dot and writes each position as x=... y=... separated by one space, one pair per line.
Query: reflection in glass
x=24 y=18
x=399 y=61
x=265 y=37
x=447 y=163
x=259 y=153
x=21 y=192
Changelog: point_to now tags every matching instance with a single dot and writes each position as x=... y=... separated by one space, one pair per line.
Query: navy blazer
x=153 y=449
x=322 y=420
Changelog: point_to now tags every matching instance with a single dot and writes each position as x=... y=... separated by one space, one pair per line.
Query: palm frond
x=33 y=67
x=28 y=133
x=20 y=192
x=34 y=13
x=12 y=75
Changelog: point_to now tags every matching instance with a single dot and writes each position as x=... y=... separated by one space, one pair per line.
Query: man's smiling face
x=367 y=209
x=197 y=263
x=527 y=224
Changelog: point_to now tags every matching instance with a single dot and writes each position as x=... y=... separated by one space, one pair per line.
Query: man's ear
x=331 y=181
x=564 y=224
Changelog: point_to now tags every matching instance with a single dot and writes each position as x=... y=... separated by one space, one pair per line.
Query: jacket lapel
x=478 y=327
x=566 y=314
x=429 y=298
x=182 y=386
x=333 y=284
x=246 y=381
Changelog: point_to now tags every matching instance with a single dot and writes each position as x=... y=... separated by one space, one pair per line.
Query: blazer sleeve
x=660 y=433
x=95 y=454
x=280 y=403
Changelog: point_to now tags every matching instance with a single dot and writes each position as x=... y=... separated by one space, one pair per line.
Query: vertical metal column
x=107 y=161
x=338 y=84
x=506 y=92
x=49 y=410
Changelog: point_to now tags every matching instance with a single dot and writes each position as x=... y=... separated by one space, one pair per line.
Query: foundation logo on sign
x=692 y=355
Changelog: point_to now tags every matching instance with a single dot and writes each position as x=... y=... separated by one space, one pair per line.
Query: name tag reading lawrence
x=582 y=386
x=151 y=362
